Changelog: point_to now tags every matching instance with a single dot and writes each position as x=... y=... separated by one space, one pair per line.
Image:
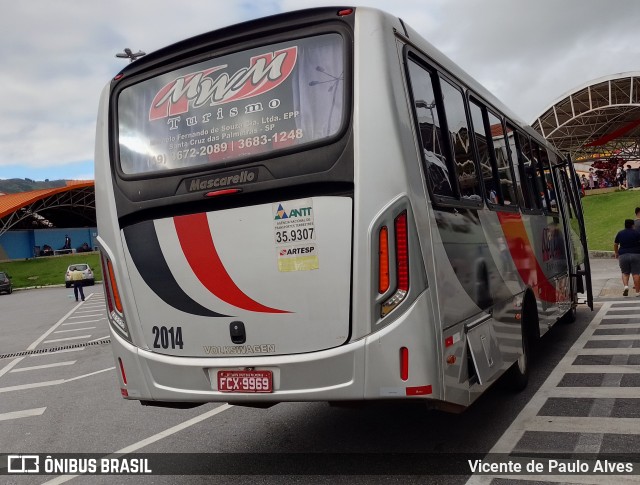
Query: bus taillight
x=114 y=304
x=114 y=287
x=383 y=260
x=402 y=265
x=402 y=252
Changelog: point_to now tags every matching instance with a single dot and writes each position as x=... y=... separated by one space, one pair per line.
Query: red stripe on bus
x=524 y=256
x=198 y=247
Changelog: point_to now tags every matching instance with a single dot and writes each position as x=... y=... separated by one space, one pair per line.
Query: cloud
x=61 y=54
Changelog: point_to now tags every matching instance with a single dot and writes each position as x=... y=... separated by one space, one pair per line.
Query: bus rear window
x=248 y=103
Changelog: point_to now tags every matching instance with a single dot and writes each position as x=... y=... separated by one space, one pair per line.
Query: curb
x=601 y=254
x=47 y=286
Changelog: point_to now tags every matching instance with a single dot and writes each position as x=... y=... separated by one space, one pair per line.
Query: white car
x=88 y=279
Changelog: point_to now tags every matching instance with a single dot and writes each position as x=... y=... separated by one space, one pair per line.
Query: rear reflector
x=383 y=260
x=419 y=390
x=346 y=11
x=404 y=363
x=124 y=376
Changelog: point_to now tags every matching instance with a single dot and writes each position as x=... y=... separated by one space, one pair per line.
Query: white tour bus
x=320 y=206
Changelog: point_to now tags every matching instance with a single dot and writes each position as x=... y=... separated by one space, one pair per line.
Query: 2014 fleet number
x=167 y=337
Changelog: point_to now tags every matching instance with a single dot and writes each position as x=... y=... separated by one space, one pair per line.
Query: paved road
x=68 y=401
x=590 y=403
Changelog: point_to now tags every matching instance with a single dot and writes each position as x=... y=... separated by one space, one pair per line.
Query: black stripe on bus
x=147 y=256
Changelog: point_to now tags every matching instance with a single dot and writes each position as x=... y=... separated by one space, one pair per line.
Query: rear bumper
x=319 y=376
x=364 y=369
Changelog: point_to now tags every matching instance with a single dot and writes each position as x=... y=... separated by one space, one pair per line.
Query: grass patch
x=604 y=216
x=49 y=270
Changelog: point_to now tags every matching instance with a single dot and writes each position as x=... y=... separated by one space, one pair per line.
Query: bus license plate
x=245 y=381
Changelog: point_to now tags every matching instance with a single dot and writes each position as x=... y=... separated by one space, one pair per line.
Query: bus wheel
x=517 y=376
x=570 y=316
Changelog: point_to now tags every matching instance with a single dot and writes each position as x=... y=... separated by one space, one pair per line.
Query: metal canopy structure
x=597 y=121
x=70 y=206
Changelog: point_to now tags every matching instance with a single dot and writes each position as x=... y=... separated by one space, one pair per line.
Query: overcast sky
x=56 y=56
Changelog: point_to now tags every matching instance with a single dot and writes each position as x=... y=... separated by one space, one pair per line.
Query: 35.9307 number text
x=293 y=235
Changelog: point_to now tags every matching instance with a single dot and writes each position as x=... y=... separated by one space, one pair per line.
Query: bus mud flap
x=484 y=347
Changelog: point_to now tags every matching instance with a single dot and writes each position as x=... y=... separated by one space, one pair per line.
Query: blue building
x=31 y=220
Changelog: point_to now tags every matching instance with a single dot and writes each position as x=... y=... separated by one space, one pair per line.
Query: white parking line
x=10 y=366
x=33 y=385
x=56 y=325
x=608 y=369
x=615 y=337
x=57 y=382
x=96 y=339
x=152 y=439
x=45 y=366
x=22 y=414
x=604 y=351
x=85 y=316
x=65 y=339
x=89 y=375
x=74 y=330
x=84 y=321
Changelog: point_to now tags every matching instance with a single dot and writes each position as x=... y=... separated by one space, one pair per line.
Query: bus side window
x=540 y=187
x=485 y=157
x=548 y=180
x=514 y=153
x=459 y=135
x=492 y=152
x=505 y=173
x=438 y=171
x=528 y=174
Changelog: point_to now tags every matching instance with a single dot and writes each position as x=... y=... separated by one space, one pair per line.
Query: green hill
x=14 y=186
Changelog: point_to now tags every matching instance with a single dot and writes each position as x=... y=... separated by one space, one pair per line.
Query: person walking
x=626 y=248
x=78 y=283
x=621 y=177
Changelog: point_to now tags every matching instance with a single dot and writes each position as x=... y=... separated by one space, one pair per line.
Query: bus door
x=574 y=228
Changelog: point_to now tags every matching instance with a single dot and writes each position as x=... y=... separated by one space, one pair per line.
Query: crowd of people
x=597 y=179
x=626 y=248
x=47 y=250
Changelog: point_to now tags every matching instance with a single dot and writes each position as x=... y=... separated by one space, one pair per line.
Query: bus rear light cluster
x=114 y=303
x=402 y=264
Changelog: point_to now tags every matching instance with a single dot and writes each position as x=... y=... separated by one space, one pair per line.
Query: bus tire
x=517 y=377
x=570 y=316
